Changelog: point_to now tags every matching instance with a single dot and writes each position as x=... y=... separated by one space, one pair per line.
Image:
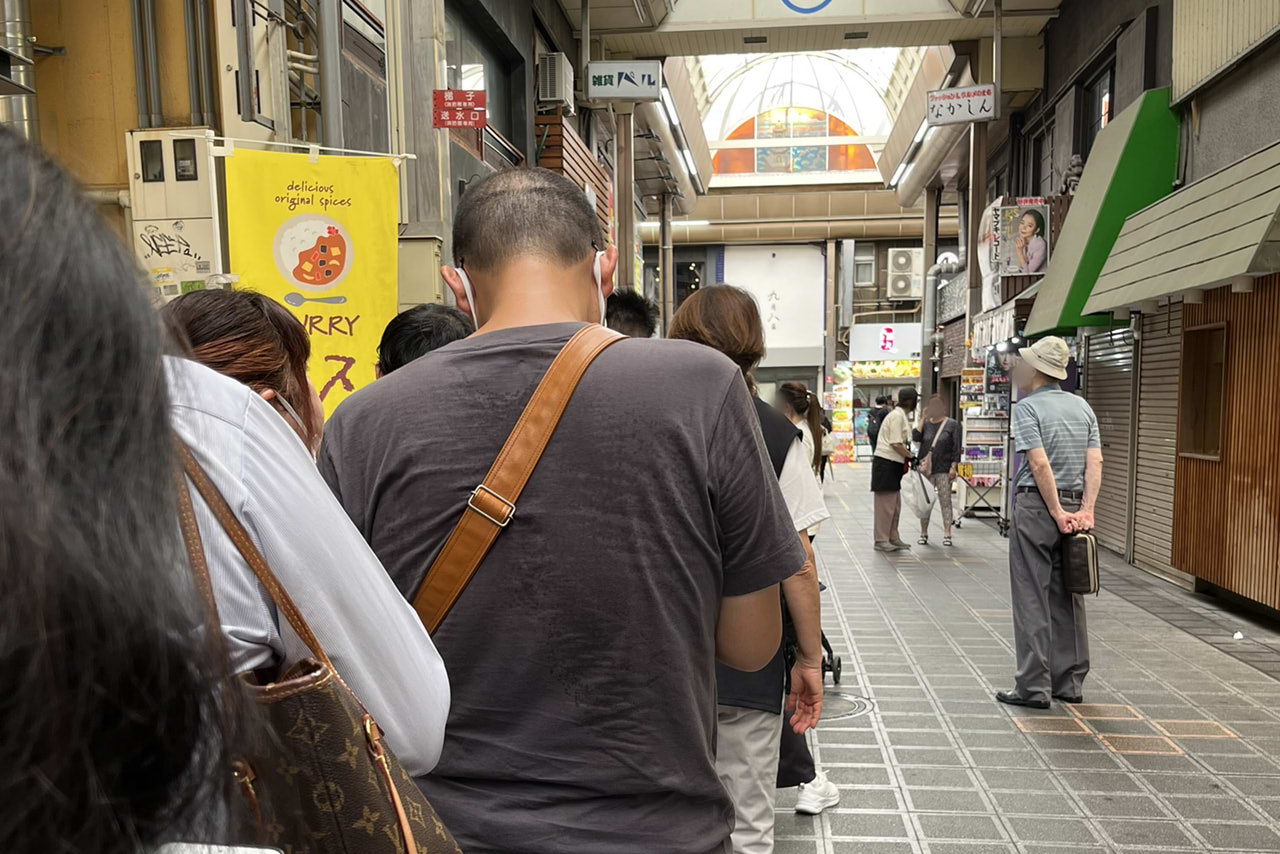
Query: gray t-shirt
x=1064 y=425
x=581 y=655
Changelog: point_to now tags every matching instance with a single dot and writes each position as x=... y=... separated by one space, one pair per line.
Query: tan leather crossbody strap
x=240 y=537
x=492 y=504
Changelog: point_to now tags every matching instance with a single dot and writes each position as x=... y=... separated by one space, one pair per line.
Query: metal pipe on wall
x=666 y=265
x=624 y=199
x=193 y=60
x=19 y=111
x=139 y=64
x=997 y=42
x=207 y=115
x=154 y=112
x=330 y=50
x=929 y=307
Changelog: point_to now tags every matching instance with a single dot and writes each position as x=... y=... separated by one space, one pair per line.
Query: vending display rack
x=982 y=467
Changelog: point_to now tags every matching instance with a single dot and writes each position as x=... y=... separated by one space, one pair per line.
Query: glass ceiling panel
x=850 y=84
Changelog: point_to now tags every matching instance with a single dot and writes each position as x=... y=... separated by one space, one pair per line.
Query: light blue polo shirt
x=1061 y=423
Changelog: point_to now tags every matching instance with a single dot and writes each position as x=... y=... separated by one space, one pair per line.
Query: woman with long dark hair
x=110 y=733
x=804 y=410
x=750 y=740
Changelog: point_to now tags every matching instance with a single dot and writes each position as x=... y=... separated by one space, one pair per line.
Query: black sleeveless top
x=761 y=690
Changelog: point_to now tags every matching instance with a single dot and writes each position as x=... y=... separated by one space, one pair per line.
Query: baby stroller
x=830 y=661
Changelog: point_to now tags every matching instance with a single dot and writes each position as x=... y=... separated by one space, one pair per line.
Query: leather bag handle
x=492 y=505
x=240 y=537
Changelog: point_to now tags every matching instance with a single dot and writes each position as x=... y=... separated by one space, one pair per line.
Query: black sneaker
x=1010 y=698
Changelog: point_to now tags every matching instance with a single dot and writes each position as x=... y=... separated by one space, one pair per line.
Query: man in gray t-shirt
x=649 y=541
x=1057 y=488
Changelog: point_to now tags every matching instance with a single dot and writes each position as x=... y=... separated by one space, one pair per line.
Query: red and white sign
x=458 y=108
x=887 y=339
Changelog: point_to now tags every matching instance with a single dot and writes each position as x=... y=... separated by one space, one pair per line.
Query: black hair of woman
x=1039 y=220
x=110 y=726
x=806 y=405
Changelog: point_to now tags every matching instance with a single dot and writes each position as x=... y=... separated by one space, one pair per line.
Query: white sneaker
x=817 y=795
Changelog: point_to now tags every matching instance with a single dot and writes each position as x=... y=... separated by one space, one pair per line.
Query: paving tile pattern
x=1177 y=748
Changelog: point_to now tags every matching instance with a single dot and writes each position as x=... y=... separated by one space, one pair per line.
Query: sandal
x=923 y=541
x=946 y=541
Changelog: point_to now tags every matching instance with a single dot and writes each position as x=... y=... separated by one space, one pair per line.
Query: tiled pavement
x=1179 y=749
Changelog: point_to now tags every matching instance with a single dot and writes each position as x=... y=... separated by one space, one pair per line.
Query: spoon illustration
x=296 y=300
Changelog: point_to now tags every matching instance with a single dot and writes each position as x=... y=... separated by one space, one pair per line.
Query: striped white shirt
x=372 y=635
x=1061 y=423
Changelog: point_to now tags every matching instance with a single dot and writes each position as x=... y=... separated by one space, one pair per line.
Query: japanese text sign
x=321 y=239
x=959 y=106
x=458 y=108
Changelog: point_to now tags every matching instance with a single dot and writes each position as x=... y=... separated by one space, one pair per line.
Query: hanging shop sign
x=839 y=403
x=318 y=235
x=961 y=106
x=1022 y=238
x=875 y=342
x=458 y=108
x=995 y=397
x=633 y=80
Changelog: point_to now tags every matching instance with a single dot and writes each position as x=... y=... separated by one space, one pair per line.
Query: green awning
x=1134 y=162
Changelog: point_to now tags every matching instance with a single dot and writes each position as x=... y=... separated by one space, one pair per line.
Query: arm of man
x=805 y=607
x=1092 y=483
x=1048 y=486
x=757 y=540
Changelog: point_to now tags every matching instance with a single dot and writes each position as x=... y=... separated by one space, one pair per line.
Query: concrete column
x=330 y=42
x=415 y=67
x=929 y=310
x=624 y=196
x=666 y=264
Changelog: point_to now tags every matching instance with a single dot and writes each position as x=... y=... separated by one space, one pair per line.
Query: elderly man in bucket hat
x=1057 y=488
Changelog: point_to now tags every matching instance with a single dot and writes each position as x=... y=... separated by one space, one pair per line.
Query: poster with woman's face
x=1023 y=247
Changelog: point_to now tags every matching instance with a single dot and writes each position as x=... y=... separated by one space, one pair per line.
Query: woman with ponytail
x=801 y=406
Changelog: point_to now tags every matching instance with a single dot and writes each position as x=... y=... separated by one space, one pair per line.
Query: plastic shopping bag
x=917 y=494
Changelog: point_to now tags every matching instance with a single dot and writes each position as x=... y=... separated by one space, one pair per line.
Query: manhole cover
x=838 y=706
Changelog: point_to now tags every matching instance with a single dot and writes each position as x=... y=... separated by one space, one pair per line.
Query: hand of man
x=1066 y=522
x=1083 y=520
x=805 y=702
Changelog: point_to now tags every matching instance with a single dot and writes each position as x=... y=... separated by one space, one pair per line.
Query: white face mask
x=471 y=297
x=293 y=413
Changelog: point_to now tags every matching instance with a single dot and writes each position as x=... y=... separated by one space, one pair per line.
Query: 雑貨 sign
x=320 y=238
x=635 y=80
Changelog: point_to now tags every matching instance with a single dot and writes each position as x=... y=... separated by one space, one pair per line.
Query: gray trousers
x=1049 y=633
x=747 y=764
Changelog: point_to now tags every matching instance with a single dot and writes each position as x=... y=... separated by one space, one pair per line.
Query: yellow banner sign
x=320 y=238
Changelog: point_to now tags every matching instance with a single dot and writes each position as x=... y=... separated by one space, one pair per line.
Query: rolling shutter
x=1109 y=390
x=1157 y=439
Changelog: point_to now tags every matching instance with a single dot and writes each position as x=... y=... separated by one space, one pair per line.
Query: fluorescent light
x=898 y=173
x=694 y=222
x=921 y=131
x=650 y=223
x=688 y=161
x=672 y=115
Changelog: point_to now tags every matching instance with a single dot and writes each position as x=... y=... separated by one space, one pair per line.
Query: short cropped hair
x=881 y=400
x=631 y=314
x=519 y=212
x=418 y=331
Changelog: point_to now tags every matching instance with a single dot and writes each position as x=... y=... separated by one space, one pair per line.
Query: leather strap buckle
x=511 y=508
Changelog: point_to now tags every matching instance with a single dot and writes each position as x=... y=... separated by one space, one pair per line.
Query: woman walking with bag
x=939 y=438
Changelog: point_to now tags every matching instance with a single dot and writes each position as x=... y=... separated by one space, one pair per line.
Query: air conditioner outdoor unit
x=906 y=274
x=555 y=80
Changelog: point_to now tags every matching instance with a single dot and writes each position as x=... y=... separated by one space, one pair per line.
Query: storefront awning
x=1133 y=163
x=1202 y=236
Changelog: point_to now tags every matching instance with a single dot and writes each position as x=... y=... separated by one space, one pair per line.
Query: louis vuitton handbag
x=1080 y=563
x=319 y=778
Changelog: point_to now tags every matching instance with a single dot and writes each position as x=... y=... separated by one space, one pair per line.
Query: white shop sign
x=633 y=80
x=961 y=106
x=878 y=342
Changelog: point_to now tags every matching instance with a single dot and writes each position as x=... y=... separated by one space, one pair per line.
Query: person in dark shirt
x=874 y=417
x=417 y=331
x=940 y=445
x=630 y=313
x=649 y=541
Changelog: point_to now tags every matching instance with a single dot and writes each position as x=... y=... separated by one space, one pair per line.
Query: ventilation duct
x=18 y=111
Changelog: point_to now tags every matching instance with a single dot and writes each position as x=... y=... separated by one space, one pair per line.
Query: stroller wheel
x=835 y=670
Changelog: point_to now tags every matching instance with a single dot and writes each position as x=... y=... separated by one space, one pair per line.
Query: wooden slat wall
x=1208 y=34
x=1227 y=512
x=1161 y=353
x=561 y=150
x=1109 y=390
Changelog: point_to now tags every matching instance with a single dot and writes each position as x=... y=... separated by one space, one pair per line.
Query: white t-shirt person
x=895 y=428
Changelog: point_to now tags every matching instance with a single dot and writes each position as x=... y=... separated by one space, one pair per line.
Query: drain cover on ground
x=839 y=706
